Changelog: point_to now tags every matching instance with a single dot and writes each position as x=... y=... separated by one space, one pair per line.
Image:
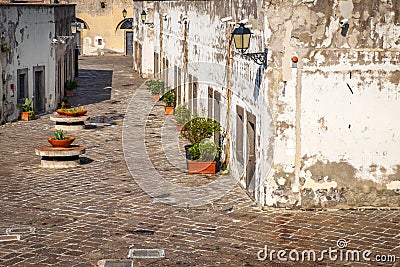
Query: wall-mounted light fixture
x=165 y=16
x=124 y=12
x=61 y=39
x=241 y=37
x=182 y=19
x=344 y=25
x=143 y=17
x=74 y=26
x=294 y=59
x=103 y=4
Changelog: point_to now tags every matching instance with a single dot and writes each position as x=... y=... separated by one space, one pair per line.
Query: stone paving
x=93 y=215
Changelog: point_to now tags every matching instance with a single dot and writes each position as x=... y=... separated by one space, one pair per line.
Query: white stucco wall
x=29 y=31
x=318 y=142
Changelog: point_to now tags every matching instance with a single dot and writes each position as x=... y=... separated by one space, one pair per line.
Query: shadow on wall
x=94 y=87
x=257 y=83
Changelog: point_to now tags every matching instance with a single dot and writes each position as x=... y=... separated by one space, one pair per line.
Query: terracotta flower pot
x=179 y=127
x=81 y=112
x=69 y=93
x=26 y=117
x=169 y=110
x=61 y=143
x=197 y=167
x=70 y=113
x=60 y=111
x=155 y=97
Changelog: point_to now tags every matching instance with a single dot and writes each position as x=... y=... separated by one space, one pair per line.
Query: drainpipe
x=297 y=163
x=228 y=97
x=4 y=96
x=161 y=44
x=185 y=59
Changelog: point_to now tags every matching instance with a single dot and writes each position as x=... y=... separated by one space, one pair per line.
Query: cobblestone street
x=99 y=210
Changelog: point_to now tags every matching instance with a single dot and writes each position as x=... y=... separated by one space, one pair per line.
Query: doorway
x=217 y=116
x=39 y=103
x=251 y=154
x=128 y=43
x=78 y=42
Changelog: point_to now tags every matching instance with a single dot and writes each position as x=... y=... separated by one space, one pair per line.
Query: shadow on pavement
x=86 y=160
x=94 y=87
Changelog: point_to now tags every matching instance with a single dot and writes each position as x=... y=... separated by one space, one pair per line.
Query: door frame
x=39 y=97
x=126 y=43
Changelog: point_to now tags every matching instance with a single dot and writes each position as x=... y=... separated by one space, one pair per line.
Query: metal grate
x=137 y=253
x=5 y=238
x=20 y=230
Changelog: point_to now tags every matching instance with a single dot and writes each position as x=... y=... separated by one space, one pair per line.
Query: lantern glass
x=74 y=26
x=242 y=42
x=124 y=12
x=143 y=16
x=241 y=37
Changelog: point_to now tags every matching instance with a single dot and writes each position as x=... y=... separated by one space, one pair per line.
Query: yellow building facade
x=101 y=24
x=99 y=30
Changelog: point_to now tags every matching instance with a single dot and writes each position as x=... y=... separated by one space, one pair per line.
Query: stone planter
x=59 y=157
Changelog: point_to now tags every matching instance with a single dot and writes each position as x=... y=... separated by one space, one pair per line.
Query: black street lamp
x=124 y=12
x=143 y=17
x=74 y=27
x=241 y=37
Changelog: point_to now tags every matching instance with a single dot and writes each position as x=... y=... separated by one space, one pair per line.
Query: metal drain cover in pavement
x=114 y=263
x=20 y=230
x=141 y=253
x=5 y=238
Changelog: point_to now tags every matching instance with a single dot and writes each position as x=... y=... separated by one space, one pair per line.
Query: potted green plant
x=182 y=116
x=60 y=140
x=196 y=131
x=72 y=112
x=69 y=87
x=203 y=157
x=155 y=87
x=65 y=102
x=169 y=99
x=4 y=48
x=27 y=112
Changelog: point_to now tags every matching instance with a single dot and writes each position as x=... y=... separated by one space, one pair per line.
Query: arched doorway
x=126 y=24
x=82 y=25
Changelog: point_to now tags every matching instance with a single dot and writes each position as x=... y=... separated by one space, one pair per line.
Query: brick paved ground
x=97 y=211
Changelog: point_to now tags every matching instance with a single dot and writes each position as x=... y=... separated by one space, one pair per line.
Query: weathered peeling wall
x=335 y=112
x=28 y=33
x=327 y=121
x=192 y=37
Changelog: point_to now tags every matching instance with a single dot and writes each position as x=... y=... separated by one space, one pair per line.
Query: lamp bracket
x=149 y=24
x=259 y=58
